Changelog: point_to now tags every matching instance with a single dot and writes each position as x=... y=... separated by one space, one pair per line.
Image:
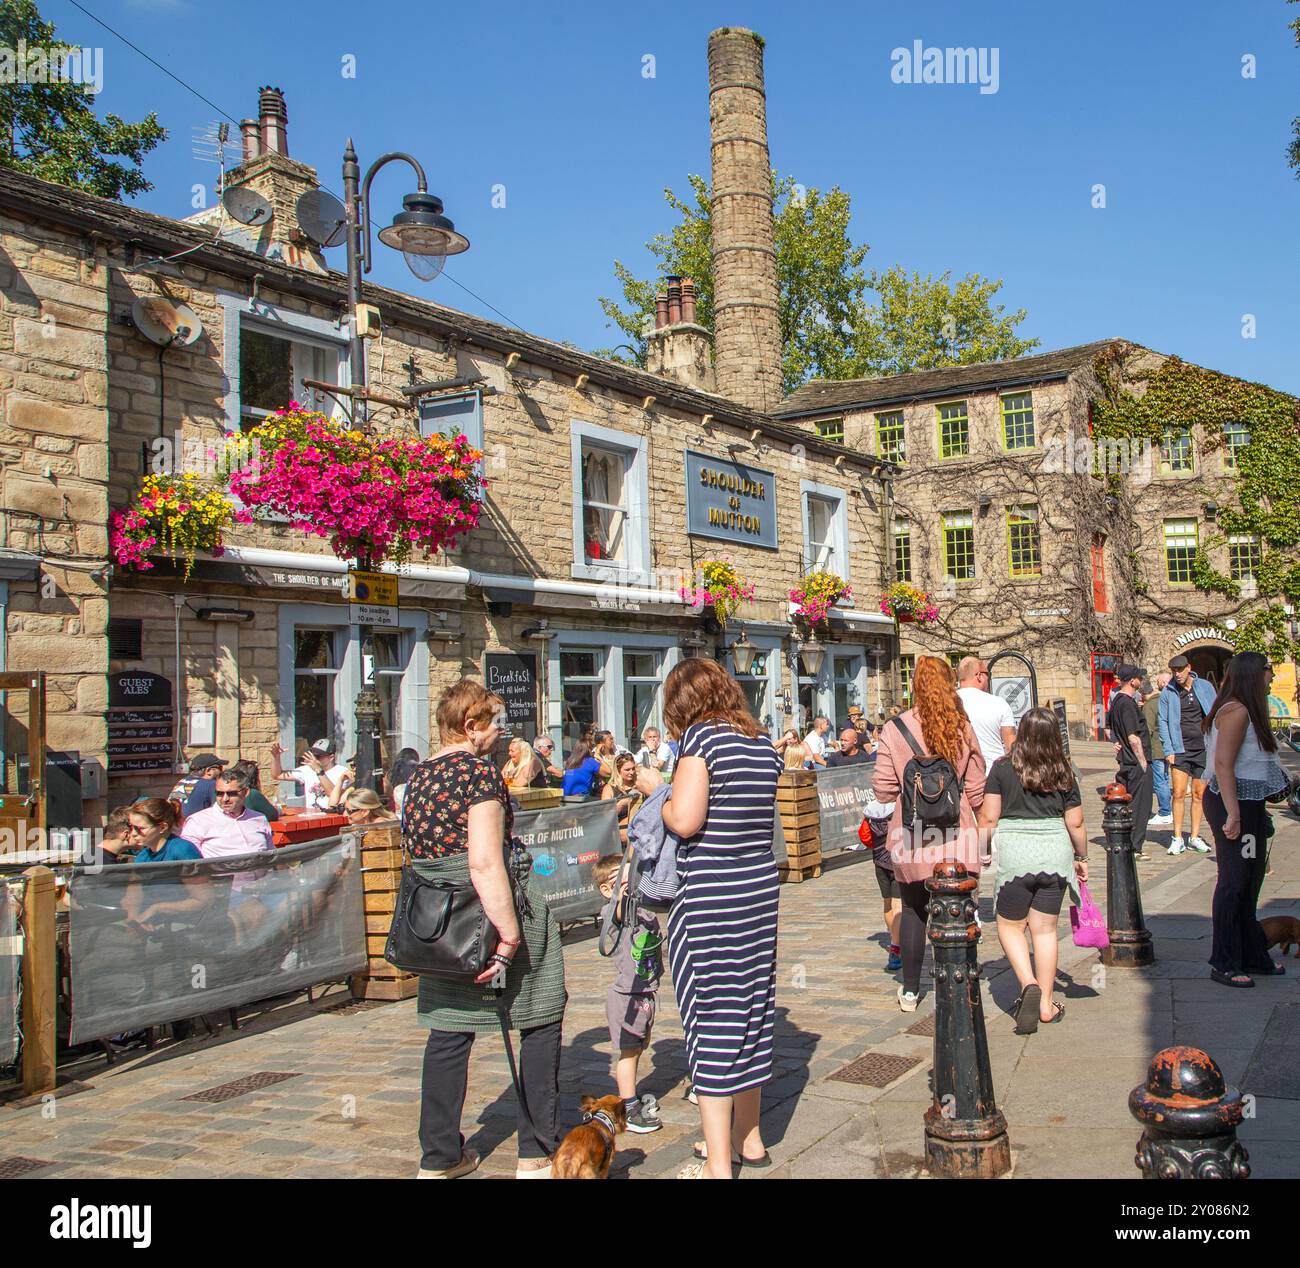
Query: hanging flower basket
x=172 y=515
x=721 y=587
x=373 y=498
x=909 y=605
x=817 y=593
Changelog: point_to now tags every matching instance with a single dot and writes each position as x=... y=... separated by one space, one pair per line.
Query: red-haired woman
x=938 y=726
x=722 y=929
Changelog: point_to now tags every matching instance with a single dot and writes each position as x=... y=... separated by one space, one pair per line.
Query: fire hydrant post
x=965 y=1133
x=1189 y=1120
x=39 y=996
x=1130 y=940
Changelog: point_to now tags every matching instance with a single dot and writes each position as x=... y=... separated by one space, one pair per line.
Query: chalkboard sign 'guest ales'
x=513 y=677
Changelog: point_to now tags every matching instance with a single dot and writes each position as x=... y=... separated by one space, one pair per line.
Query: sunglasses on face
x=236 y=793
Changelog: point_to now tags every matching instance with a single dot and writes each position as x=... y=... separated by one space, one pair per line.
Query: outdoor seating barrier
x=11 y=965
x=818 y=815
x=565 y=843
x=159 y=942
x=1189 y=1120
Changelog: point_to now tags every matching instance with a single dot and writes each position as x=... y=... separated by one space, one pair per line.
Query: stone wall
x=53 y=456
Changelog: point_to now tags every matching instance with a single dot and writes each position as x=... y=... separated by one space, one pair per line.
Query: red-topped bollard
x=1130 y=940
x=965 y=1133
x=1189 y=1120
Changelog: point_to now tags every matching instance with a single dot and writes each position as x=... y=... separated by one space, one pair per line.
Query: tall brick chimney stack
x=746 y=321
x=268 y=169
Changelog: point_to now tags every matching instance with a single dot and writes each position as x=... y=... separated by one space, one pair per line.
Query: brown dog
x=1282 y=932
x=587 y=1151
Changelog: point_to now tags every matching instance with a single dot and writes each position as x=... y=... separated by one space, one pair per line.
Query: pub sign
x=730 y=501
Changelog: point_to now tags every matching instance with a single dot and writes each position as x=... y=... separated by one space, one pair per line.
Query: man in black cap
x=198 y=790
x=1128 y=728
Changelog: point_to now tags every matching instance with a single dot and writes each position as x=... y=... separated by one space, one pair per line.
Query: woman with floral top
x=457 y=826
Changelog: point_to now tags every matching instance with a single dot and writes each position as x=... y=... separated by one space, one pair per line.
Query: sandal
x=737 y=1159
x=1058 y=1013
x=1274 y=970
x=1025 y=1009
x=1240 y=980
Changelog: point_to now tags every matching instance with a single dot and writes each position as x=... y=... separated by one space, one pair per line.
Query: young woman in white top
x=1244 y=772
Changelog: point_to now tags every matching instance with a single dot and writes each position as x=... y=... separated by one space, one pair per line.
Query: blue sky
x=1149 y=100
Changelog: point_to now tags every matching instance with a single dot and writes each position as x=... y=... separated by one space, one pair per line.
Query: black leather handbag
x=439 y=929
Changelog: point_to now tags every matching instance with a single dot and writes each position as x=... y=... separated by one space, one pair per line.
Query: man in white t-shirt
x=323 y=778
x=990 y=715
x=654 y=754
x=815 y=740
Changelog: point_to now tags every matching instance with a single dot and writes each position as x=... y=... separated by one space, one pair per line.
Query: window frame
x=906 y=675
x=881 y=452
x=839 y=525
x=939 y=422
x=902 y=534
x=635 y=569
x=1255 y=543
x=944 y=529
x=1196 y=545
x=1007 y=415
x=1036 y=520
x=1229 y=449
x=1166 y=466
x=240 y=312
x=829 y=438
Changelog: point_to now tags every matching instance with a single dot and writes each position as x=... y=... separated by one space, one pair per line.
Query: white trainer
x=1195 y=843
x=1176 y=846
x=908 y=1000
x=1161 y=821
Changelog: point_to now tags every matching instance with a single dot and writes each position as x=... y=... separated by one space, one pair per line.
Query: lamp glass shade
x=812 y=656
x=425 y=267
x=420 y=229
x=742 y=655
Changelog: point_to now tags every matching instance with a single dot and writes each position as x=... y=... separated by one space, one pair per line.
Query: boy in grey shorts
x=630 y=1001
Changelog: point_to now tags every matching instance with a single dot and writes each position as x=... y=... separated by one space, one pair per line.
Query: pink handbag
x=1087 y=922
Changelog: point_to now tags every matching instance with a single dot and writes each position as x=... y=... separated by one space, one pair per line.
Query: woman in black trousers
x=1245 y=771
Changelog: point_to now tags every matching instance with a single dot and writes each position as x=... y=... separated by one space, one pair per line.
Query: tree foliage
x=1293 y=154
x=51 y=130
x=830 y=327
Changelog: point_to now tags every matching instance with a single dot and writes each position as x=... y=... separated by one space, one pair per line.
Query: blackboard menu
x=141 y=723
x=513 y=677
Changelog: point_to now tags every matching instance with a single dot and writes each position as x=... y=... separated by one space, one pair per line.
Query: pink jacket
x=913 y=863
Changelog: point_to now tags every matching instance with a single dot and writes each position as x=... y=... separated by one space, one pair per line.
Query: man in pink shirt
x=229 y=827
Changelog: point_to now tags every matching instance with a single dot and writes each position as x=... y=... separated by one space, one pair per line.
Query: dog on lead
x=1282 y=932
x=588 y=1150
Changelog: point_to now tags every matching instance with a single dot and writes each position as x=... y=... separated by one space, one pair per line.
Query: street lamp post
x=425 y=237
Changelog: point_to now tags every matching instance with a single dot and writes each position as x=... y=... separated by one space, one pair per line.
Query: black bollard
x=1130 y=940
x=965 y=1134
x=1189 y=1120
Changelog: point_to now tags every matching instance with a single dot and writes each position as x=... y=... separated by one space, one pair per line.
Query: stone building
x=608 y=488
x=1004 y=513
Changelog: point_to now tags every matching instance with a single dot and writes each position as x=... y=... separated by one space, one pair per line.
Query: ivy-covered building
x=1083 y=506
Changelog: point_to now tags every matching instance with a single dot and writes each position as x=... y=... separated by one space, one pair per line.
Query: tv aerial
x=164 y=323
x=246 y=205
x=211 y=143
x=322 y=218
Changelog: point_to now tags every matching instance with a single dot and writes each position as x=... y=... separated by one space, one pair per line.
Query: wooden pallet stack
x=381 y=877
x=796 y=802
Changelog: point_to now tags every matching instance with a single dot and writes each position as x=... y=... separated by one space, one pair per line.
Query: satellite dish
x=246 y=205
x=165 y=323
x=322 y=218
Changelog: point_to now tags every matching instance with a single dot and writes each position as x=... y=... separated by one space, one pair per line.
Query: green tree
x=50 y=130
x=830 y=329
x=1294 y=152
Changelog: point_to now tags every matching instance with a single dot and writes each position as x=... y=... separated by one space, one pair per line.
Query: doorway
x=1210 y=663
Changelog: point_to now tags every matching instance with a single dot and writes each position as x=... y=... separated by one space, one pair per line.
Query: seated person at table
x=625 y=790
x=154 y=824
x=194 y=792
x=364 y=805
x=258 y=802
x=324 y=779
x=580 y=772
x=115 y=847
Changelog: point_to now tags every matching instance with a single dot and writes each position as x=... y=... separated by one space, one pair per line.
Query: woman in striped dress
x=722 y=929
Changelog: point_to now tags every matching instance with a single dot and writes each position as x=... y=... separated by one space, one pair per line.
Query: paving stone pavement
x=352 y=1109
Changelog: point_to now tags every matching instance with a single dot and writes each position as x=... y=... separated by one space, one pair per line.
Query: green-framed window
x=906 y=667
x=954 y=430
x=1236 y=436
x=891 y=438
x=1018 y=421
x=959 y=545
x=1245 y=554
x=1180 y=550
x=1176 y=452
x=831 y=429
x=902 y=549
x=1024 y=542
